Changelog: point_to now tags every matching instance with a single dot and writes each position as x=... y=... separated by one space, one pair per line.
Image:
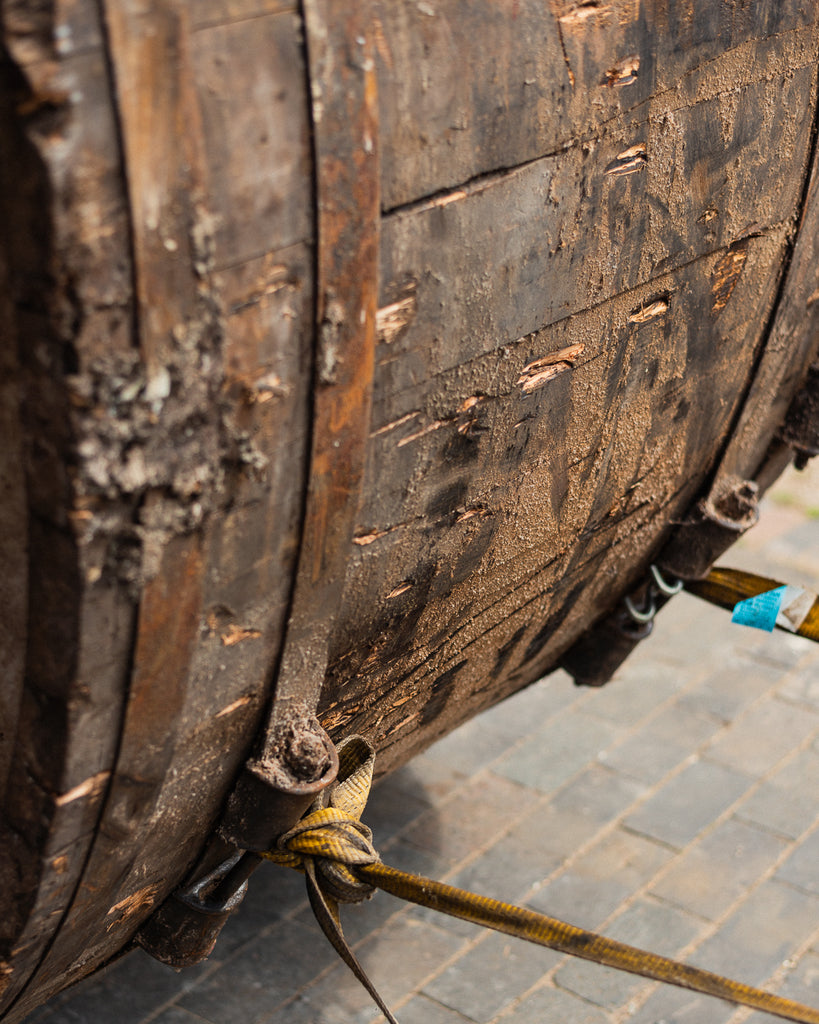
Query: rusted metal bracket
x=297 y=763
x=185 y=928
x=713 y=526
x=295 y=759
x=596 y=655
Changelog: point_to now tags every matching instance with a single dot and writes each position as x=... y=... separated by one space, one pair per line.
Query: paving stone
x=711 y=875
x=127 y=991
x=802 y=867
x=557 y=751
x=597 y=883
x=397 y=960
x=801 y=984
x=552 y=831
x=393 y=803
x=760 y=739
x=471 y=818
x=490 y=976
x=684 y=617
x=681 y=808
x=435 y=772
x=779 y=648
x=176 y=1015
x=802 y=684
x=44 y=1013
x=480 y=741
x=525 y=856
x=422 y=1010
x=796 y=489
x=255 y=980
x=788 y=802
x=761 y=934
x=636 y=689
x=670 y=1005
x=333 y=1000
x=775 y=519
x=550 y=1005
x=273 y=893
x=598 y=795
x=652 y=926
x=400 y=958
x=516 y=716
x=661 y=743
x=736 y=683
x=799 y=550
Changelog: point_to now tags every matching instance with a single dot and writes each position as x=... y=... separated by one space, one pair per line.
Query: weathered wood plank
x=231 y=351
x=472 y=266
x=551 y=74
x=69 y=296
x=474 y=567
x=250 y=80
x=791 y=347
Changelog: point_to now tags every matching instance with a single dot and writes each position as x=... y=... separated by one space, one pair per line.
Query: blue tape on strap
x=760 y=611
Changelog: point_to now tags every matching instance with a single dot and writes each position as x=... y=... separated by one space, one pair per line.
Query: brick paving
x=677 y=809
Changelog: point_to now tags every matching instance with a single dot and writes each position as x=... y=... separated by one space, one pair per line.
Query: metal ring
x=641 y=616
x=669 y=589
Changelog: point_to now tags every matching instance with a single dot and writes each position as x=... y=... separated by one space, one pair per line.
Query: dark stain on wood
x=440 y=693
x=507 y=649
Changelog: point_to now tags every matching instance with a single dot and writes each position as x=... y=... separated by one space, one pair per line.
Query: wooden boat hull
x=362 y=355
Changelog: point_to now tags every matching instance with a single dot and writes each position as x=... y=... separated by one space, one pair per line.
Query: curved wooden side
x=586 y=213
x=566 y=342
x=175 y=337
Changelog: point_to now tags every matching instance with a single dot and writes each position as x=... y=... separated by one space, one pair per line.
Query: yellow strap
x=334 y=850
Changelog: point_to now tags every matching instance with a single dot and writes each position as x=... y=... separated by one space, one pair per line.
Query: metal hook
x=668 y=589
x=642 y=616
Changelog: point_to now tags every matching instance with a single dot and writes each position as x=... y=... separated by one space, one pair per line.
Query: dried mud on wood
x=570 y=244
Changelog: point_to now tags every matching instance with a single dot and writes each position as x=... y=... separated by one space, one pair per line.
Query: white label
x=794 y=608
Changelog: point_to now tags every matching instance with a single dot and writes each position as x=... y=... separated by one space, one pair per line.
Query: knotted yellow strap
x=329 y=844
x=335 y=851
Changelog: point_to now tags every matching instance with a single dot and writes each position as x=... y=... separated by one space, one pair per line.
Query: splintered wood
x=343 y=373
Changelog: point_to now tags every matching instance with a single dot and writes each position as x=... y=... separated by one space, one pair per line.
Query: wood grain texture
x=506 y=515
x=594 y=264
x=181 y=358
x=468 y=89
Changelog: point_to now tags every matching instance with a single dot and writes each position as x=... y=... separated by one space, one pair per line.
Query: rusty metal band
x=296 y=758
x=345 y=126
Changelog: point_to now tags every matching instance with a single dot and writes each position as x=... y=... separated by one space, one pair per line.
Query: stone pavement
x=676 y=809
